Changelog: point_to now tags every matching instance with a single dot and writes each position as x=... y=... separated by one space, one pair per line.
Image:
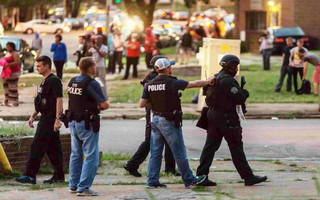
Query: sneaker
x=25 y=179
x=198 y=180
x=155 y=186
x=132 y=171
x=73 y=190
x=53 y=180
x=254 y=180
x=87 y=192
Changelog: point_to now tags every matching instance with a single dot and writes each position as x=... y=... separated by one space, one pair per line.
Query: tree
x=142 y=9
x=72 y=7
x=190 y=3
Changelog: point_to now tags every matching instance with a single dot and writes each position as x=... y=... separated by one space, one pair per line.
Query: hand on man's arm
x=32 y=118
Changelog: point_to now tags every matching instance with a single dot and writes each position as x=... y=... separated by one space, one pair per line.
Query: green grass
x=112 y=157
x=15 y=129
x=261 y=86
x=169 y=50
x=11 y=175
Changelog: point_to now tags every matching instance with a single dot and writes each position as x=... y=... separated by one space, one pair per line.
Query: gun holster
x=177 y=114
x=203 y=122
x=95 y=120
x=66 y=118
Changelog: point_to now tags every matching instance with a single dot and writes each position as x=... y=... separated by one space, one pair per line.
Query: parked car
x=165 y=39
x=163 y=14
x=162 y=23
x=1 y=29
x=74 y=23
x=27 y=55
x=280 y=35
x=41 y=25
x=181 y=15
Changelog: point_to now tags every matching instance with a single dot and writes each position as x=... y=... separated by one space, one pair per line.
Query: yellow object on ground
x=4 y=162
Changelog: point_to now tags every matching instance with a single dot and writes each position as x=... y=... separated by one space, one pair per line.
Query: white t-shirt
x=99 y=59
x=297 y=61
x=117 y=40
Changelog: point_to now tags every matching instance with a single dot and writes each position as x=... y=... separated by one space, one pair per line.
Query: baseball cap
x=163 y=63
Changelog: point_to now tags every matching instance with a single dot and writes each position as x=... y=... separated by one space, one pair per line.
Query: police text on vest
x=158 y=87
x=76 y=91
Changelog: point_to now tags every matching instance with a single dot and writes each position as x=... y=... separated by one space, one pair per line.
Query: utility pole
x=108 y=5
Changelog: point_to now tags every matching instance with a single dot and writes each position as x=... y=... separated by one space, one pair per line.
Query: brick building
x=254 y=16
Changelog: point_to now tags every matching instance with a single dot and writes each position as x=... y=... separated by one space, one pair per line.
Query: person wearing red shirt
x=148 y=42
x=133 y=55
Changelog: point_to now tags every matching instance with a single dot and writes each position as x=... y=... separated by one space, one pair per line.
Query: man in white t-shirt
x=118 y=46
x=99 y=52
x=296 y=63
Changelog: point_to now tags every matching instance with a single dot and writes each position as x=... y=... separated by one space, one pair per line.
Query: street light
x=271 y=3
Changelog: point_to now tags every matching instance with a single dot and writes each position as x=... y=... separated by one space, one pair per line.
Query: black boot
x=207 y=182
x=133 y=172
x=254 y=180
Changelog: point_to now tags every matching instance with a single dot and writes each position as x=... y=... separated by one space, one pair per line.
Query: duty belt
x=162 y=114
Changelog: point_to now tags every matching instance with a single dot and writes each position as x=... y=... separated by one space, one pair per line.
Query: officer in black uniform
x=223 y=122
x=141 y=154
x=46 y=140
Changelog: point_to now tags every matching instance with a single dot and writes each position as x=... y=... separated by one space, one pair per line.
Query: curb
x=192 y=116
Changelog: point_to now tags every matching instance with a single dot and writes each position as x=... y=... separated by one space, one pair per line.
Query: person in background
x=315 y=61
x=156 y=45
x=10 y=83
x=296 y=63
x=37 y=43
x=111 y=67
x=285 y=68
x=82 y=50
x=133 y=55
x=104 y=37
x=118 y=47
x=186 y=46
x=59 y=50
x=266 y=48
x=99 y=52
x=148 y=42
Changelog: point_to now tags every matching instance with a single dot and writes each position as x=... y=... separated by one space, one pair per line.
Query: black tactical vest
x=215 y=97
x=163 y=97
x=79 y=98
x=45 y=102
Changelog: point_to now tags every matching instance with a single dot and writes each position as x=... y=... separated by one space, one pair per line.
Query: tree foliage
x=26 y=3
x=142 y=9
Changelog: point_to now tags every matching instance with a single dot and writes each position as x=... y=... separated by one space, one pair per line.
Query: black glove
x=246 y=93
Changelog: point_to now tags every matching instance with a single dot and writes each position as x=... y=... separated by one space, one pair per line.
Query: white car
x=42 y=26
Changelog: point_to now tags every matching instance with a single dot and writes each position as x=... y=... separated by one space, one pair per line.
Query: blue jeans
x=165 y=130
x=83 y=143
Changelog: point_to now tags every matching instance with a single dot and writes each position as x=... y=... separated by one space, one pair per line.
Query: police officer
x=86 y=100
x=46 y=140
x=141 y=154
x=223 y=122
x=161 y=95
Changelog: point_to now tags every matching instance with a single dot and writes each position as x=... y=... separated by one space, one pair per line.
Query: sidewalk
x=286 y=180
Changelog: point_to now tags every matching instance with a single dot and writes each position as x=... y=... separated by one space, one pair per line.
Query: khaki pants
x=101 y=73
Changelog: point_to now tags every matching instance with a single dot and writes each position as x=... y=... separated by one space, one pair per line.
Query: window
x=256 y=20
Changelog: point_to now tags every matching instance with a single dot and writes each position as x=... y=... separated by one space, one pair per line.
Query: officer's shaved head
x=85 y=63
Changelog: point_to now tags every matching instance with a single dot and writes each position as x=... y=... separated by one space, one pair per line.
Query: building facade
x=254 y=16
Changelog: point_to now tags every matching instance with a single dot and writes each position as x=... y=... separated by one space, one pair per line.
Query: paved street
x=289 y=139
